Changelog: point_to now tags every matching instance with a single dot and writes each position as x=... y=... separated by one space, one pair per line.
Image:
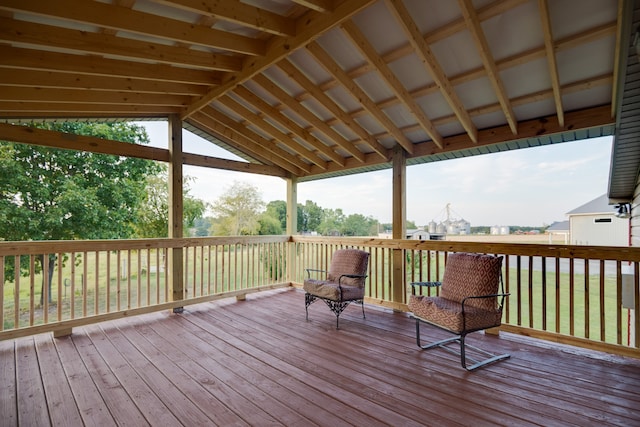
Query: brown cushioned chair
x=343 y=284
x=471 y=298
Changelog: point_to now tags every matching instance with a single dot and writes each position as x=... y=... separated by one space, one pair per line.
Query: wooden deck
x=258 y=362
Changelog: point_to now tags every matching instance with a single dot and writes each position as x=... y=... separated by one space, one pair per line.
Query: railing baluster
x=557 y=295
x=602 y=301
x=32 y=289
x=587 y=300
x=571 y=296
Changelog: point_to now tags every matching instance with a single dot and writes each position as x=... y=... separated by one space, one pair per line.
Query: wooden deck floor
x=258 y=362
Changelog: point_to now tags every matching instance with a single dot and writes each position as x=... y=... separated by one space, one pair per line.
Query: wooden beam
x=473 y=24
x=238 y=13
x=428 y=59
x=24 y=32
x=583 y=119
x=71 y=96
x=125 y=19
x=81 y=64
x=231 y=165
x=52 y=79
x=544 y=126
x=272 y=113
x=551 y=58
x=331 y=106
x=68 y=141
x=308 y=116
x=352 y=87
x=15 y=110
x=621 y=18
x=390 y=78
x=308 y=28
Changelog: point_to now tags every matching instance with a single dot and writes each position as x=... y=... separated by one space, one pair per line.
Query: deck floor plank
x=60 y=401
x=258 y=362
x=8 y=396
x=32 y=402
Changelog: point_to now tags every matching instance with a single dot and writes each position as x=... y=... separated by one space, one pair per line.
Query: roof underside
x=318 y=88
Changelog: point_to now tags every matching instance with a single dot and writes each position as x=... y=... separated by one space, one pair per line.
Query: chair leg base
x=489 y=357
x=337 y=307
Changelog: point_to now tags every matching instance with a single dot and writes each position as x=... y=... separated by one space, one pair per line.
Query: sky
x=528 y=187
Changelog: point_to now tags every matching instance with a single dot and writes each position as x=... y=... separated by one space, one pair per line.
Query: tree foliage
x=153 y=212
x=55 y=194
x=237 y=211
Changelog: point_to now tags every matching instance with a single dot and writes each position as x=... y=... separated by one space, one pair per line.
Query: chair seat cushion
x=329 y=290
x=448 y=314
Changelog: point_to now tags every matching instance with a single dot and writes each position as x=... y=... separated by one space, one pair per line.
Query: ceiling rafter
x=387 y=75
x=309 y=27
x=473 y=24
x=274 y=114
x=551 y=58
x=238 y=13
x=108 y=44
x=62 y=110
x=239 y=143
x=352 y=87
x=83 y=60
x=125 y=19
x=52 y=79
x=278 y=136
x=324 y=6
x=65 y=96
x=270 y=145
x=329 y=104
x=504 y=63
x=521 y=100
x=31 y=59
x=311 y=118
x=427 y=57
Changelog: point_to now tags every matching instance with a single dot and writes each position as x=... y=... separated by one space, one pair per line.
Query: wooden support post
x=399 y=222
x=175 y=275
x=292 y=226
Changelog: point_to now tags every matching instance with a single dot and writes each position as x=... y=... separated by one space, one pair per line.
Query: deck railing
x=579 y=295
x=91 y=281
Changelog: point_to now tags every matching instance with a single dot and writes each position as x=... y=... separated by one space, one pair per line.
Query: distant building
x=417 y=234
x=595 y=223
x=561 y=228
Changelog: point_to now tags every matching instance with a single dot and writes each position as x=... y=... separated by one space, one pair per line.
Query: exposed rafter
x=551 y=58
x=473 y=24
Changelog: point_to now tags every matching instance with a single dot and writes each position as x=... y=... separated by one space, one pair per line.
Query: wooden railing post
x=175 y=276
x=292 y=226
x=399 y=222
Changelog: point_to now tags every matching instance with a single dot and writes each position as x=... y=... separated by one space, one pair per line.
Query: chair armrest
x=423 y=284
x=483 y=296
x=309 y=270
x=351 y=276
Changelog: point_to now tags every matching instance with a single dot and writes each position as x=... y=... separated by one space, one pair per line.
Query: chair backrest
x=348 y=261
x=467 y=274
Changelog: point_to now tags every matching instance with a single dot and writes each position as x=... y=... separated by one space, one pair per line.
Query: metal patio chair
x=343 y=284
x=471 y=298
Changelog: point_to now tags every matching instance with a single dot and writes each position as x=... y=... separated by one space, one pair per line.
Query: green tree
x=153 y=212
x=54 y=194
x=237 y=211
x=359 y=225
x=332 y=221
x=269 y=225
x=278 y=210
x=309 y=217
